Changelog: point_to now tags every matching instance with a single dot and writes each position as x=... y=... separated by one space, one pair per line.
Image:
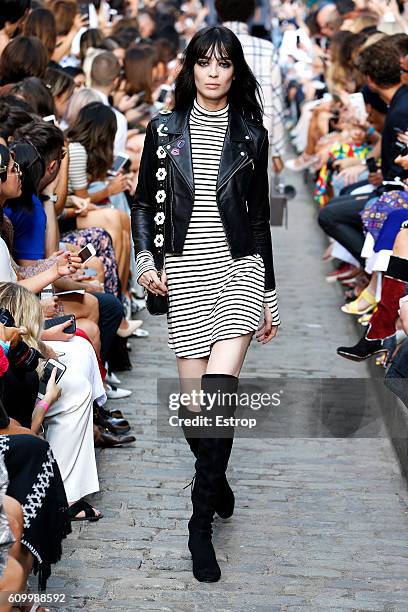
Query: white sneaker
x=113 y=392
x=301 y=163
x=112 y=379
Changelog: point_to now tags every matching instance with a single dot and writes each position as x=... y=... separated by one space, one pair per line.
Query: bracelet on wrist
x=42 y=404
x=44 y=197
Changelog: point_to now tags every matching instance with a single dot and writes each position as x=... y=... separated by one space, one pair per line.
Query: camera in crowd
x=21 y=356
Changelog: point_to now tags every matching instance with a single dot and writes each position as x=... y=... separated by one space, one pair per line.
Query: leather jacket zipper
x=244 y=163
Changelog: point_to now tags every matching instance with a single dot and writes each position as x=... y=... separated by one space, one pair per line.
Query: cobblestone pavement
x=320 y=524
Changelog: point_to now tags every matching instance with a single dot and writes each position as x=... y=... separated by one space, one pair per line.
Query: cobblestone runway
x=320 y=524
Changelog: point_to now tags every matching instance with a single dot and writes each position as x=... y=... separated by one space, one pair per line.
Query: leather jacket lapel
x=179 y=146
x=234 y=153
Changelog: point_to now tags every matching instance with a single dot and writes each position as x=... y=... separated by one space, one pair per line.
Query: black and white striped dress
x=211 y=296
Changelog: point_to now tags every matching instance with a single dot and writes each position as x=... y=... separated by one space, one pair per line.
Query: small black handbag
x=159 y=304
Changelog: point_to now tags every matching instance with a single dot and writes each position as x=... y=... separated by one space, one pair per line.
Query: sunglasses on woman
x=15 y=169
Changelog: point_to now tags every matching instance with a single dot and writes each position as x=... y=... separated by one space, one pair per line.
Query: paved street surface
x=320 y=524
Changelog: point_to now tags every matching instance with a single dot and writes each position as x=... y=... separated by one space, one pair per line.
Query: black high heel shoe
x=362 y=350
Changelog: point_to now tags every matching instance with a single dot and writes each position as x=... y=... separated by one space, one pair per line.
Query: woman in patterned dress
x=218 y=272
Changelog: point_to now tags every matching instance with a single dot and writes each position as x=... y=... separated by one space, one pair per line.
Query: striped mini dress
x=211 y=296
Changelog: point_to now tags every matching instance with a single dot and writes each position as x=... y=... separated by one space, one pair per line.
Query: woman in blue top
x=27 y=212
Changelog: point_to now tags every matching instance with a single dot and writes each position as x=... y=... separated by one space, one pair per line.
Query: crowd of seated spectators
x=346 y=73
x=78 y=86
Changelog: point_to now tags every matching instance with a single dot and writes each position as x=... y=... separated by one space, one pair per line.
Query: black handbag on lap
x=158 y=304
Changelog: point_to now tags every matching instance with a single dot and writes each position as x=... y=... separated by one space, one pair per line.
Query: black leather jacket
x=242 y=189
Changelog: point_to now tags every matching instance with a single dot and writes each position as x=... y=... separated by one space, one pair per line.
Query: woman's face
x=120 y=54
x=375 y=118
x=146 y=25
x=79 y=80
x=11 y=188
x=404 y=70
x=213 y=77
x=357 y=134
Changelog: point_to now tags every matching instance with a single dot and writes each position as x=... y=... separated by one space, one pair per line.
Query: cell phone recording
x=87 y=253
x=45 y=377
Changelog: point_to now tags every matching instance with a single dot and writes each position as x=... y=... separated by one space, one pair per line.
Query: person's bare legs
x=372 y=285
x=311 y=134
x=400 y=248
x=190 y=373
x=227 y=356
x=318 y=127
x=371 y=288
x=86 y=311
x=24 y=556
x=15 y=518
x=20 y=560
x=92 y=331
x=12 y=581
x=82 y=306
x=111 y=221
x=126 y=245
x=97 y=264
x=125 y=262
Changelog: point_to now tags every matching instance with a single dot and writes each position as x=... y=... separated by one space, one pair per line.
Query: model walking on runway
x=203 y=197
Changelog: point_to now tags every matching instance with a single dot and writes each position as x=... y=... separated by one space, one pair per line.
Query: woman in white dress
x=68 y=422
x=213 y=224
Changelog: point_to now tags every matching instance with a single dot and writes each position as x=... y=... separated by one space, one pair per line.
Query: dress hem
x=32 y=550
x=201 y=355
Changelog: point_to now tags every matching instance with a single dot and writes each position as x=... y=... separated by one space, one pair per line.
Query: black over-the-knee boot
x=211 y=464
x=225 y=500
x=193 y=442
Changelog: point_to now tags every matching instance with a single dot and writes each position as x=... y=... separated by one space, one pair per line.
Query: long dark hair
x=41 y=23
x=139 y=63
x=244 y=95
x=32 y=167
x=14 y=113
x=95 y=129
x=23 y=57
x=37 y=95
